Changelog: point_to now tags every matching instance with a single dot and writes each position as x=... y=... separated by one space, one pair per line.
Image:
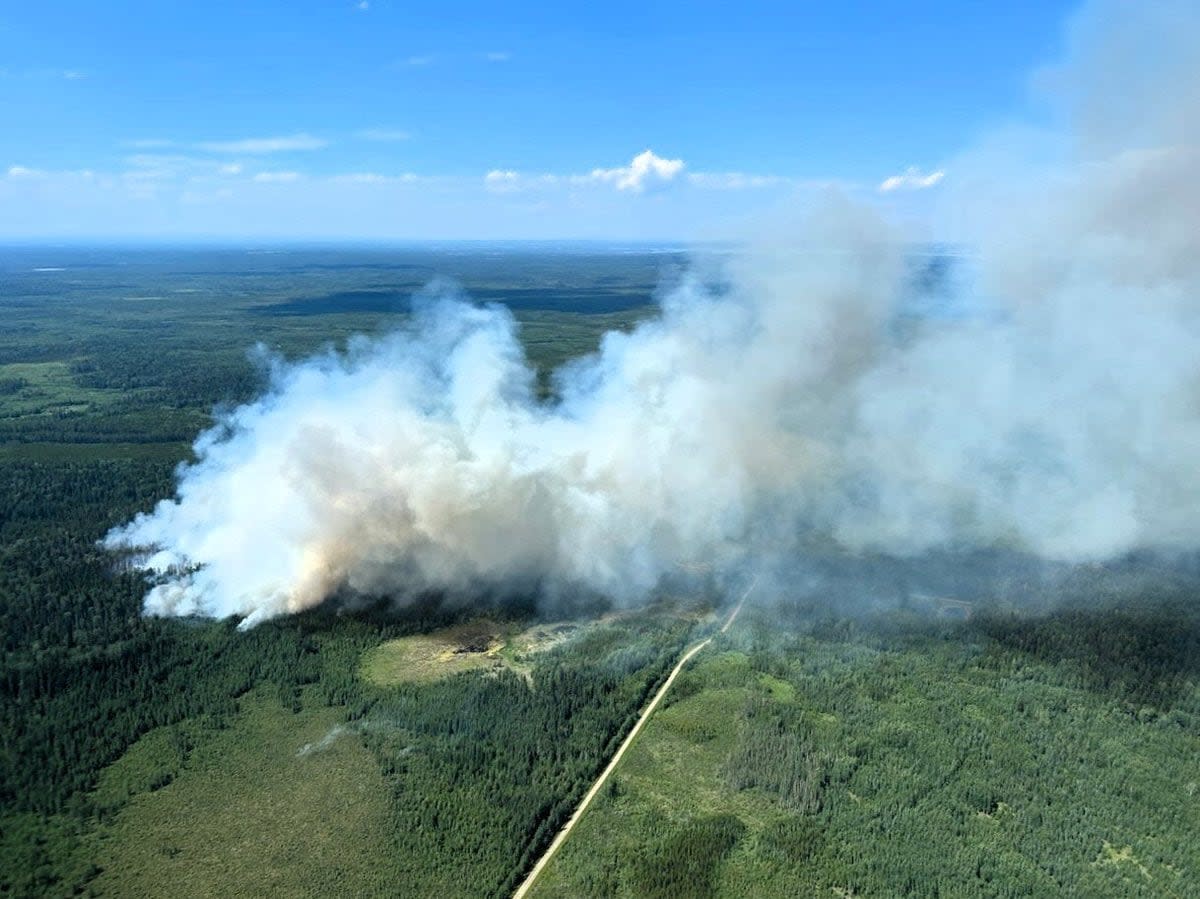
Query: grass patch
x=151 y=763
x=40 y=388
x=269 y=806
x=479 y=645
x=422 y=658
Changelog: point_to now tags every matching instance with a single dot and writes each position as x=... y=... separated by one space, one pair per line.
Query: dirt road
x=527 y=884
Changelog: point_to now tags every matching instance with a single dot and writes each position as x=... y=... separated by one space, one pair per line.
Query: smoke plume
x=1048 y=403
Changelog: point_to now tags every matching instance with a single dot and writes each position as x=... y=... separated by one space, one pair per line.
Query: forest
x=1007 y=755
x=1024 y=747
x=101 y=707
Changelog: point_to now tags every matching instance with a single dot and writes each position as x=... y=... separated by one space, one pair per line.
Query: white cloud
x=911 y=179
x=248 y=195
x=644 y=171
x=363 y=5
x=647 y=171
x=159 y=160
x=167 y=165
x=498 y=56
x=418 y=60
x=150 y=172
x=25 y=173
x=73 y=74
x=276 y=177
x=502 y=181
x=256 y=145
x=735 y=180
x=250 y=146
x=383 y=134
x=376 y=178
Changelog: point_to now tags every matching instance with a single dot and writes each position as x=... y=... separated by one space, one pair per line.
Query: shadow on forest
x=397 y=300
x=386 y=302
x=1129 y=628
x=1143 y=652
x=437 y=609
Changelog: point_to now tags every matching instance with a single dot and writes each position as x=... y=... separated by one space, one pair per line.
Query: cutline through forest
x=528 y=882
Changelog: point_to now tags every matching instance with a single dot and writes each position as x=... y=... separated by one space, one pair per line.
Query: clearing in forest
x=477 y=645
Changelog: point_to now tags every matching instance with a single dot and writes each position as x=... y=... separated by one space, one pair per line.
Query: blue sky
x=383 y=119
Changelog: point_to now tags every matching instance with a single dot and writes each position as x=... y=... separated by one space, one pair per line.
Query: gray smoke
x=1048 y=404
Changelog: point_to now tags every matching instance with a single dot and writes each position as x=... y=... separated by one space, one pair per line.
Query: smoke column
x=1052 y=405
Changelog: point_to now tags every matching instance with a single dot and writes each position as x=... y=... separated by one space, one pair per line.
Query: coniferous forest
x=1027 y=748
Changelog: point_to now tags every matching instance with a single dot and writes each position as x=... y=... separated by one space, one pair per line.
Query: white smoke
x=1053 y=405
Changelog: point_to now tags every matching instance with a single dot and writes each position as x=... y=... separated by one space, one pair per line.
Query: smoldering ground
x=1047 y=408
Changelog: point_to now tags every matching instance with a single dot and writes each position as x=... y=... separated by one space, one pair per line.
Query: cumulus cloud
x=262 y=145
x=911 y=178
x=645 y=171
